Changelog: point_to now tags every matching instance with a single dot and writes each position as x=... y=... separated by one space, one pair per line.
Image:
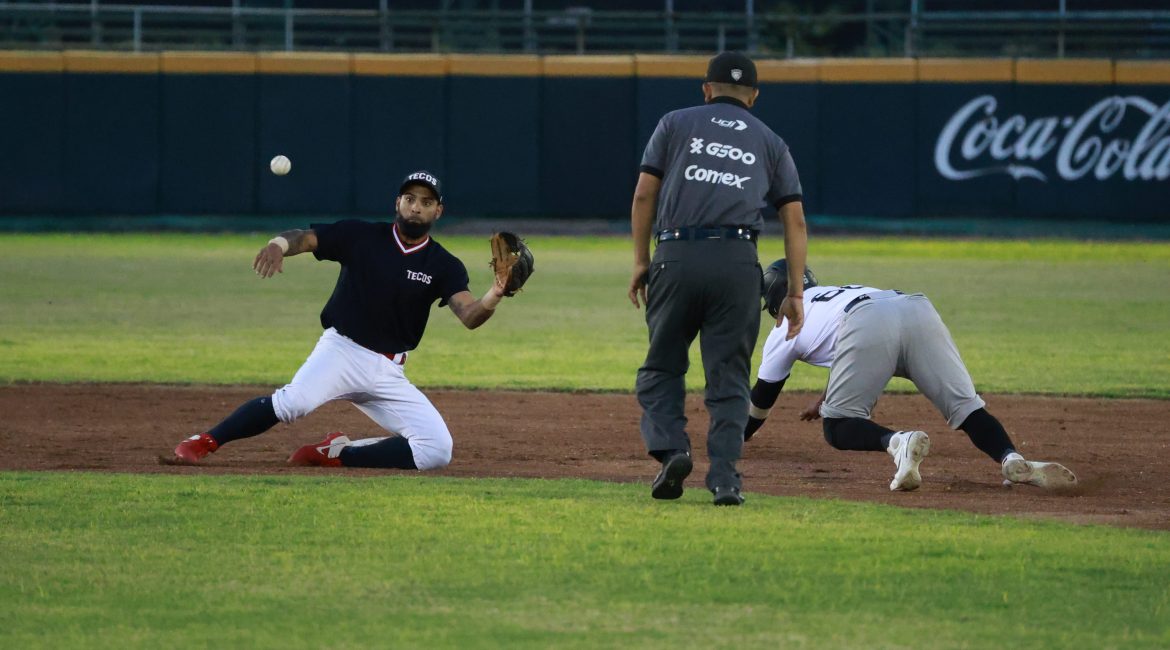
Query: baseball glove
x=512 y=261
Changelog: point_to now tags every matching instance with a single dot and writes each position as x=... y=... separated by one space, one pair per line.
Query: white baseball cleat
x=1051 y=476
x=908 y=449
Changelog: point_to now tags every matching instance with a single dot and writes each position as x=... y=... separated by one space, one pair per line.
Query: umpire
x=706 y=174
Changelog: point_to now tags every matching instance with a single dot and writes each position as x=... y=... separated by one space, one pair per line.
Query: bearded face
x=417 y=210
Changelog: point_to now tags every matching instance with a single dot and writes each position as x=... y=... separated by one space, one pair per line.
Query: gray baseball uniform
x=866 y=336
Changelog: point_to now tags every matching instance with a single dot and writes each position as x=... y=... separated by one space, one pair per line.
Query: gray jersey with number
x=719 y=166
x=886 y=335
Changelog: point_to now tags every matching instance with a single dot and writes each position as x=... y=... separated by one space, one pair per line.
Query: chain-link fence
x=786 y=28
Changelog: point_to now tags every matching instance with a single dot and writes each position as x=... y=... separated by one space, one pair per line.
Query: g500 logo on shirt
x=418 y=277
x=715 y=177
x=723 y=151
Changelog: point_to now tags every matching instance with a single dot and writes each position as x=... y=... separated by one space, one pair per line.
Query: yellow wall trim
x=895 y=70
x=400 y=65
x=788 y=70
x=661 y=65
x=325 y=63
x=31 y=62
x=589 y=66
x=967 y=70
x=1142 y=72
x=503 y=65
x=869 y=70
x=1078 y=71
x=116 y=62
x=208 y=63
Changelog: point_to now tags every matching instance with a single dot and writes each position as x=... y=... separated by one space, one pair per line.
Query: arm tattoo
x=296 y=241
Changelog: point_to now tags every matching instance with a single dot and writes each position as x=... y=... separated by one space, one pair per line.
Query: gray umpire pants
x=709 y=288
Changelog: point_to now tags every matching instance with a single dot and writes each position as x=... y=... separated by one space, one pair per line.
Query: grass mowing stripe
x=1032 y=317
x=99 y=560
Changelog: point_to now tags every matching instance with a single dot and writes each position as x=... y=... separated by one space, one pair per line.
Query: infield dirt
x=1118 y=448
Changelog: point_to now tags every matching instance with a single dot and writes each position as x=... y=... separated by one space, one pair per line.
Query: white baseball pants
x=339 y=369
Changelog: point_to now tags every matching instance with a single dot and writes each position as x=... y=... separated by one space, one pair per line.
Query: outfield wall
x=561 y=136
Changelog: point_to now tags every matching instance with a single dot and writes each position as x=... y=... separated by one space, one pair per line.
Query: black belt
x=862 y=298
x=695 y=234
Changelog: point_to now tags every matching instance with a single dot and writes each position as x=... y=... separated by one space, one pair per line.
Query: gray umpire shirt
x=719 y=166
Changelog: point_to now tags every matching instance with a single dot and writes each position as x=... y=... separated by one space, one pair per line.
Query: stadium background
x=518 y=127
x=115 y=345
x=531 y=136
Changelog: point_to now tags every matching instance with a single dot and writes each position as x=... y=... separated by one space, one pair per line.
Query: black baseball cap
x=424 y=178
x=732 y=68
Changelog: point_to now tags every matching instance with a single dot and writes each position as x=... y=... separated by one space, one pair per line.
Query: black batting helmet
x=776 y=285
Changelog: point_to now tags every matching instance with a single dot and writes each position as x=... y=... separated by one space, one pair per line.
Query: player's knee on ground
x=432 y=448
x=393 y=452
x=398 y=452
x=431 y=457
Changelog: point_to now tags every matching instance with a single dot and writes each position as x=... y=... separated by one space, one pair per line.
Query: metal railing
x=916 y=32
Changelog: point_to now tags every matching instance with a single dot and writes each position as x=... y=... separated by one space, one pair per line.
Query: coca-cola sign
x=1126 y=135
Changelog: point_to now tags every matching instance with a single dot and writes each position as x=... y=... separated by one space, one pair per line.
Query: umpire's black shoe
x=669 y=482
x=728 y=496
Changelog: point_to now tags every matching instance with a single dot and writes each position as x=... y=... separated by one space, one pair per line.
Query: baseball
x=280 y=165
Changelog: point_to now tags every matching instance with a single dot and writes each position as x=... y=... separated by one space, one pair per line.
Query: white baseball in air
x=280 y=165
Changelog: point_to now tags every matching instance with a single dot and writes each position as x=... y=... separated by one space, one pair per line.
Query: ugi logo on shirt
x=418 y=277
x=738 y=125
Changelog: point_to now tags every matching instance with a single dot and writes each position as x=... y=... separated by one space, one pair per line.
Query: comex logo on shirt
x=714 y=176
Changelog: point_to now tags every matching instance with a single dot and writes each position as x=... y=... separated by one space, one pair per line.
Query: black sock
x=764 y=395
x=856 y=434
x=752 y=427
x=251 y=419
x=392 y=453
x=988 y=434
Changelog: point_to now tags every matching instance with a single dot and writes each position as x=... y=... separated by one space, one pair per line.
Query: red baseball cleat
x=326 y=453
x=194 y=449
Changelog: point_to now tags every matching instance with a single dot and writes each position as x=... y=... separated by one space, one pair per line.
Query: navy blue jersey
x=385 y=290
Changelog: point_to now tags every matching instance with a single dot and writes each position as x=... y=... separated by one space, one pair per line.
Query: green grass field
x=119 y=561
x=1047 y=317
x=169 y=561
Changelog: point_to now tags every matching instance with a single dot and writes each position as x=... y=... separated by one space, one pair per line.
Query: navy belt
x=867 y=296
x=695 y=234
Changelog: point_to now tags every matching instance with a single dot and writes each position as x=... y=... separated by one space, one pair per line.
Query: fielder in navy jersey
x=391 y=275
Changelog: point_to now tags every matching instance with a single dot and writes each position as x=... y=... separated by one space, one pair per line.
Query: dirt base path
x=1120 y=449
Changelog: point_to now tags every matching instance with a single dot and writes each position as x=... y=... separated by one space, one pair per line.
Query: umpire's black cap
x=732 y=68
x=424 y=178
